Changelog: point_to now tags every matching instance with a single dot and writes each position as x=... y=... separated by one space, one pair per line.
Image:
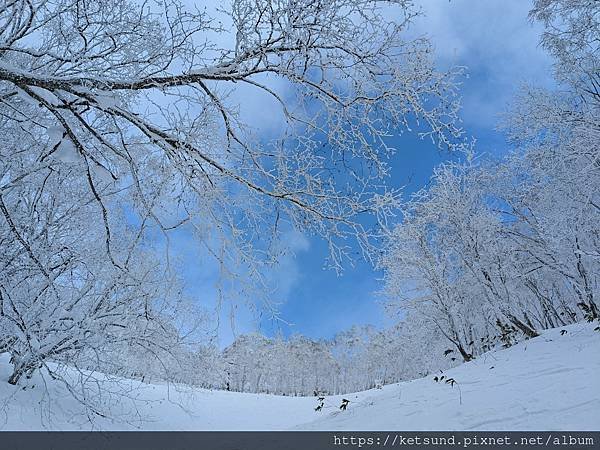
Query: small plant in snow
x=589 y=313
x=508 y=334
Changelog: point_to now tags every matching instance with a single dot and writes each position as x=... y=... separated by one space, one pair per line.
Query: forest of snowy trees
x=503 y=249
x=119 y=127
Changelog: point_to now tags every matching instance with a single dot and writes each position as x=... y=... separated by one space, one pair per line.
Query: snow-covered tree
x=120 y=122
x=494 y=251
x=571 y=30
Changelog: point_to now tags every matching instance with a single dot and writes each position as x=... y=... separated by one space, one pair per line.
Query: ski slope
x=551 y=382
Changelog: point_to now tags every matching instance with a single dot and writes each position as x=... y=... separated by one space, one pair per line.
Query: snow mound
x=547 y=383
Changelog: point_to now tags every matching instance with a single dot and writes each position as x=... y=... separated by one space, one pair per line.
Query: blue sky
x=499 y=48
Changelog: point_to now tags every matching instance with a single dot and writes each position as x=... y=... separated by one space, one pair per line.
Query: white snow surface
x=550 y=382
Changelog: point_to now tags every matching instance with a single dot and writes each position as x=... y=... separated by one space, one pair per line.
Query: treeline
x=357 y=359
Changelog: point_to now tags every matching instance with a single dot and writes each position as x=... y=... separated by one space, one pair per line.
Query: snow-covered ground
x=548 y=383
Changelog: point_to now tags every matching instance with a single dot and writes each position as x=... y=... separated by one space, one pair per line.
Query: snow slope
x=548 y=383
x=551 y=382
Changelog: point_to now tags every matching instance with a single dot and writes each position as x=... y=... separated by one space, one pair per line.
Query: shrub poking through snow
x=321 y=403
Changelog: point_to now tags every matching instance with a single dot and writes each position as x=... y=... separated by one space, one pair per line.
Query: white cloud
x=233 y=314
x=256 y=107
x=287 y=273
x=497 y=43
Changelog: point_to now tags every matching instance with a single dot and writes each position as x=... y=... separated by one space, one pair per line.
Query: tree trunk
x=527 y=330
x=465 y=355
x=18 y=372
x=22 y=368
